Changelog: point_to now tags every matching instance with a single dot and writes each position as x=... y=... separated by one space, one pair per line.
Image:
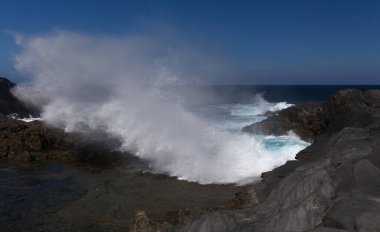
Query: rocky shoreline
x=334 y=185
x=57 y=181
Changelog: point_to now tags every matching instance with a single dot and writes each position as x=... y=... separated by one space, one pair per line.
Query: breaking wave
x=84 y=83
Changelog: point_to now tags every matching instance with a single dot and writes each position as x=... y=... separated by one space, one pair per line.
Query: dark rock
x=354 y=214
x=220 y=221
x=352 y=108
x=328 y=229
x=334 y=185
x=346 y=108
x=270 y=179
x=367 y=177
x=275 y=125
x=142 y=223
x=30 y=141
x=96 y=149
x=11 y=105
x=246 y=198
x=306 y=120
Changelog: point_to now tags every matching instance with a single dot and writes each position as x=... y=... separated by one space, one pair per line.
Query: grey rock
x=327 y=229
x=353 y=211
x=335 y=185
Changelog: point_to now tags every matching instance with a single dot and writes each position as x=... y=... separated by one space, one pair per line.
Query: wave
x=234 y=116
x=84 y=83
x=259 y=106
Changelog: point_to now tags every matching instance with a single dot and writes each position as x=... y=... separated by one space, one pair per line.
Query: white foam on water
x=259 y=106
x=28 y=119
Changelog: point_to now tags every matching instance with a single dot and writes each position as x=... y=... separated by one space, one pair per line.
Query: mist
x=122 y=86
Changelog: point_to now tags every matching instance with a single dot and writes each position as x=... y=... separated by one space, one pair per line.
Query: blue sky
x=266 y=42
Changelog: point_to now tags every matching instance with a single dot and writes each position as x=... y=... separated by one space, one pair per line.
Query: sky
x=264 y=42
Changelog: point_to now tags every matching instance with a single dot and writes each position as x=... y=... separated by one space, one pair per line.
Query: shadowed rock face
x=352 y=108
x=11 y=105
x=32 y=141
x=334 y=185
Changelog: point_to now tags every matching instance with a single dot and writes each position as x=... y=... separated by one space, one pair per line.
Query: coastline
x=341 y=168
x=334 y=184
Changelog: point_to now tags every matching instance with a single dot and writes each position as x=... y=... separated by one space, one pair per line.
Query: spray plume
x=115 y=85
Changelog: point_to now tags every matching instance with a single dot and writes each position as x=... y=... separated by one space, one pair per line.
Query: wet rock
x=306 y=120
x=29 y=201
x=346 y=108
x=97 y=149
x=30 y=141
